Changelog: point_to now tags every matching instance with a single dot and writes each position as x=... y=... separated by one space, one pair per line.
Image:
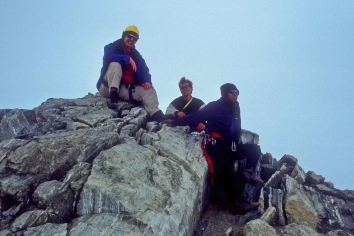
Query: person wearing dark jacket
x=222 y=144
x=186 y=104
x=125 y=75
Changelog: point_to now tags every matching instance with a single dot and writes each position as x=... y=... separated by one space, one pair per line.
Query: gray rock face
x=313 y=179
x=30 y=219
x=48 y=157
x=160 y=189
x=288 y=160
x=55 y=196
x=298 y=174
x=14 y=125
x=75 y=167
x=338 y=233
x=294 y=229
x=258 y=227
x=47 y=230
x=249 y=137
x=109 y=224
x=319 y=207
x=6 y=232
x=299 y=209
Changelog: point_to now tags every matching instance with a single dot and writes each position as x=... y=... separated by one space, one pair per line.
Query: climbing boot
x=158 y=116
x=112 y=105
x=112 y=101
x=243 y=208
x=113 y=95
x=251 y=177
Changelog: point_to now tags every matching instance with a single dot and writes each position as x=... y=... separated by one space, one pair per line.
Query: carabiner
x=233 y=146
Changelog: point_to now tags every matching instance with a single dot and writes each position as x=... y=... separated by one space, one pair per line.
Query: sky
x=293 y=62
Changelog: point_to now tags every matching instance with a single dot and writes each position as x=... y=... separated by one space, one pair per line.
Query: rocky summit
x=76 y=167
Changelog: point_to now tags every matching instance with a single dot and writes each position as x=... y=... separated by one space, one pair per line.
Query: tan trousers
x=147 y=97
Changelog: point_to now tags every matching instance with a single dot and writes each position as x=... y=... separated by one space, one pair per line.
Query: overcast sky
x=293 y=62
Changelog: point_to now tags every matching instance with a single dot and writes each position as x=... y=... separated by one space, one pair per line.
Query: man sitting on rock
x=222 y=146
x=125 y=75
x=186 y=104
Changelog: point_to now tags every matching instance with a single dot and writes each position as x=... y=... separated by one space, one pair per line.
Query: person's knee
x=103 y=90
x=150 y=95
x=150 y=101
x=114 y=66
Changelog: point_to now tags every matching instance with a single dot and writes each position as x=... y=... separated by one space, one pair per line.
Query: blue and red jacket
x=114 y=52
x=222 y=117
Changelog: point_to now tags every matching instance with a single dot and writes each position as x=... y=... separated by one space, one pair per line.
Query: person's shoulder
x=136 y=52
x=177 y=100
x=199 y=101
x=118 y=44
x=110 y=45
x=115 y=45
x=213 y=105
x=217 y=102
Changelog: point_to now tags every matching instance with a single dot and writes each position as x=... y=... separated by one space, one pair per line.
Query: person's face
x=186 y=89
x=129 y=40
x=232 y=96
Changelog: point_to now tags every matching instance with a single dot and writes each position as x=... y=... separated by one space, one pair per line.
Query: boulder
x=249 y=137
x=294 y=229
x=14 y=125
x=269 y=214
x=48 y=229
x=298 y=174
x=313 y=179
x=288 y=160
x=338 y=233
x=299 y=209
x=258 y=227
x=30 y=219
x=107 y=224
x=6 y=232
x=55 y=154
x=56 y=197
x=76 y=167
x=161 y=189
x=76 y=177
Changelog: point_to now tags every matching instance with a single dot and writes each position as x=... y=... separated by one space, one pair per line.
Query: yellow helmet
x=131 y=29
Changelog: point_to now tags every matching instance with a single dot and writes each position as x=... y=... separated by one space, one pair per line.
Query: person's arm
x=200 y=116
x=145 y=73
x=203 y=105
x=144 y=77
x=171 y=110
x=201 y=125
x=110 y=55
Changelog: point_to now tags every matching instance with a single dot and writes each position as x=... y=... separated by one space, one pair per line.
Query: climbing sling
x=190 y=100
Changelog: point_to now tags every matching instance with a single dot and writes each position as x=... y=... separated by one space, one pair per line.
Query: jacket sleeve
x=144 y=70
x=200 y=116
x=238 y=125
x=203 y=105
x=170 y=110
x=110 y=55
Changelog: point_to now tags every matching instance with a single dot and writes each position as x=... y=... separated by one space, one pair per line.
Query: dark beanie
x=226 y=88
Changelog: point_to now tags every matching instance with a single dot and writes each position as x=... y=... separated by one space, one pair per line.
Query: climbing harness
x=131 y=90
